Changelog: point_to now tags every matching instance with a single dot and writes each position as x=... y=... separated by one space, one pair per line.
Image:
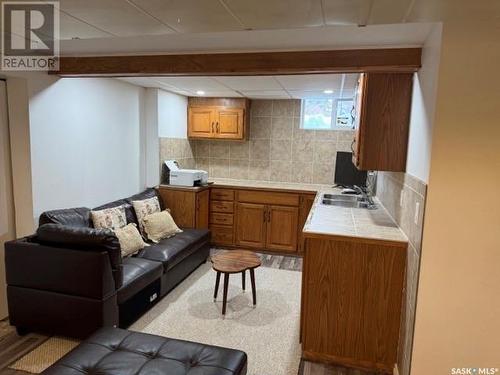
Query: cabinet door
x=229 y=123
x=202 y=205
x=282 y=224
x=182 y=205
x=306 y=202
x=250 y=227
x=200 y=122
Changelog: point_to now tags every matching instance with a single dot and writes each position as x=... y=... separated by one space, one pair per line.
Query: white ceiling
x=121 y=18
x=255 y=87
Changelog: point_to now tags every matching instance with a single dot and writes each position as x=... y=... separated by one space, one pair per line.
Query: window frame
x=333 y=121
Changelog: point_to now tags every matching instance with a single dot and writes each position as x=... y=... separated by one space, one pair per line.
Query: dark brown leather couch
x=70 y=279
x=116 y=351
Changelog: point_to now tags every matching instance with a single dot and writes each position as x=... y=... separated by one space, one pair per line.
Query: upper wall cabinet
x=382 y=120
x=218 y=118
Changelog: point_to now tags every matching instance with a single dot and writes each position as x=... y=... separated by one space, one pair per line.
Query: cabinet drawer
x=222 y=234
x=221 y=206
x=266 y=197
x=222 y=194
x=218 y=218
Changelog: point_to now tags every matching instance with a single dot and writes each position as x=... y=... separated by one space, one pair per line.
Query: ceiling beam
x=255 y=63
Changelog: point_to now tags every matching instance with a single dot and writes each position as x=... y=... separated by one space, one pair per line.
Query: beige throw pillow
x=144 y=208
x=130 y=239
x=109 y=218
x=160 y=225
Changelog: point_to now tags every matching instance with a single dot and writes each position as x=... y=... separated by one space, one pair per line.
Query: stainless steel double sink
x=349 y=201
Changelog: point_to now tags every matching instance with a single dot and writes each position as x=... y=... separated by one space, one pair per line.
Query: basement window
x=327 y=114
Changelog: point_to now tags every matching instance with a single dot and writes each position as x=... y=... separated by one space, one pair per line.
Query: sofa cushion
x=137 y=274
x=146 y=194
x=171 y=251
x=112 y=351
x=76 y=217
x=159 y=226
x=112 y=218
x=144 y=208
x=129 y=210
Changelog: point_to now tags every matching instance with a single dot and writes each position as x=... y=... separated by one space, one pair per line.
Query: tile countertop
x=351 y=222
x=254 y=184
x=327 y=220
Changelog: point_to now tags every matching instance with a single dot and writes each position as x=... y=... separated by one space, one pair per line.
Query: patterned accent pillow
x=144 y=208
x=130 y=239
x=109 y=218
x=159 y=226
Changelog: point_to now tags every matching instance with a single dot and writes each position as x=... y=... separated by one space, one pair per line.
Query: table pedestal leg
x=254 y=293
x=217 y=281
x=243 y=280
x=226 y=285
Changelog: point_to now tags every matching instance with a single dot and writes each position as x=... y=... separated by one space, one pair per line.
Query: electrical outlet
x=417 y=209
x=402 y=198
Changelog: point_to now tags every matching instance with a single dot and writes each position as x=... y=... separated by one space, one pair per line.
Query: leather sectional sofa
x=70 y=279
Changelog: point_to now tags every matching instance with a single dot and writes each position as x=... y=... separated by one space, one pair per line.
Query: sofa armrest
x=61 y=270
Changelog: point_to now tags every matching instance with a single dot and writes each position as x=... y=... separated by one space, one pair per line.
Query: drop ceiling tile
x=266 y=94
x=311 y=81
x=389 y=11
x=221 y=94
x=250 y=83
x=140 y=81
x=193 y=83
x=72 y=28
x=115 y=16
x=192 y=16
x=303 y=94
x=344 y=12
x=276 y=14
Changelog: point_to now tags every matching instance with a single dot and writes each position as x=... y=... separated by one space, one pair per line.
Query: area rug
x=268 y=333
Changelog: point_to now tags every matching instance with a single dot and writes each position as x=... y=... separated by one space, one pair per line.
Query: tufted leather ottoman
x=116 y=351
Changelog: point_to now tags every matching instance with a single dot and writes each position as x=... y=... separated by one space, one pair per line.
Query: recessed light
x=328 y=91
x=200 y=92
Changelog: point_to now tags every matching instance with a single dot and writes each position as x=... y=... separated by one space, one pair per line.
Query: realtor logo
x=30 y=35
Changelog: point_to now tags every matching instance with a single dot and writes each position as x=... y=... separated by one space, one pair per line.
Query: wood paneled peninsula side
x=352 y=286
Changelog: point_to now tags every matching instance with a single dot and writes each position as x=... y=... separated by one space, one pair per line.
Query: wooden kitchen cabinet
x=262 y=224
x=281 y=228
x=382 y=121
x=188 y=206
x=218 y=118
x=201 y=122
x=251 y=225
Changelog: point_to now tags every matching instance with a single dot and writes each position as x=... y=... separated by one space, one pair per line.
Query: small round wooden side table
x=234 y=261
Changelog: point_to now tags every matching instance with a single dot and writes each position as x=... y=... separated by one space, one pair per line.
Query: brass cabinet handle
x=213 y=131
x=268 y=215
x=217 y=126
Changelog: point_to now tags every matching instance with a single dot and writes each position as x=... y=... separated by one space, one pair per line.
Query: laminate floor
x=13 y=347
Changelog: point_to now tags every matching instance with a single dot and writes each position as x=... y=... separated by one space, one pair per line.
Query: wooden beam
x=255 y=63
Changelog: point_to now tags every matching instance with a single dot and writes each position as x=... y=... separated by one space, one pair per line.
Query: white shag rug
x=268 y=333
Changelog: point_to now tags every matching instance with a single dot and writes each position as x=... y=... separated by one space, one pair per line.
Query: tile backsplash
x=276 y=148
x=401 y=194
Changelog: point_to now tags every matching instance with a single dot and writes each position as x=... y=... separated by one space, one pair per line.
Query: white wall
x=151 y=142
x=85 y=142
x=423 y=108
x=172 y=115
